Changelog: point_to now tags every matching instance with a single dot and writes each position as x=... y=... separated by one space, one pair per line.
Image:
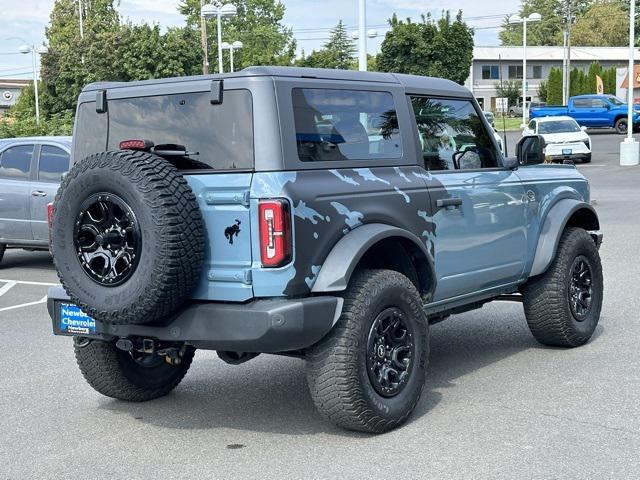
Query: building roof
x=587 y=54
x=13 y=83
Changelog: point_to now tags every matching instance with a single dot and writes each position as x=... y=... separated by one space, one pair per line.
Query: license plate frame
x=567 y=151
x=72 y=321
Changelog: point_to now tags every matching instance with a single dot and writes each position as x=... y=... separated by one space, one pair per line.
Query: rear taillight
x=50 y=215
x=275 y=232
x=135 y=144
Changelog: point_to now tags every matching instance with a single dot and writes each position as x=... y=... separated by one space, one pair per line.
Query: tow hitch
x=172 y=354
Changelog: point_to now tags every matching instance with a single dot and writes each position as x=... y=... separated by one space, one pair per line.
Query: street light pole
x=35 y=52
x=534 y=17
x=219 y=19
x=203 y=39
x=219 y=11
x=629 y=148
x=362 y=33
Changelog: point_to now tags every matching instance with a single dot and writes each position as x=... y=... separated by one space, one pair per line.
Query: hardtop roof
x=407 y=81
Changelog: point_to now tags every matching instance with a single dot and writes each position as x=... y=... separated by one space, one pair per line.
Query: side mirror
x=510 y=163
x=583 y=128
x=530 y=150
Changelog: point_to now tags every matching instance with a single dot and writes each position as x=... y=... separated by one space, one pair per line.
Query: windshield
x=615 y=100
x=559 y=126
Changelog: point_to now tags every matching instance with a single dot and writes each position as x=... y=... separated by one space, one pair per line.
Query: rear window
x=334 y=125
x=216 y=136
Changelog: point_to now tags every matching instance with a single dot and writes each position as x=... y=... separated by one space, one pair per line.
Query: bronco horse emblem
x=234 y=229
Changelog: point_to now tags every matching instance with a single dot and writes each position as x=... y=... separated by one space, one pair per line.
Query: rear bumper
x=262 y=326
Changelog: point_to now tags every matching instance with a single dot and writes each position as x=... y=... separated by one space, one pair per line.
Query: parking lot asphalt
x=496 y=405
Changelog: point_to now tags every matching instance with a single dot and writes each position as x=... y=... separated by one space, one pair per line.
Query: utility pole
x=203 y=41
x=362 y=33
x=567 y=21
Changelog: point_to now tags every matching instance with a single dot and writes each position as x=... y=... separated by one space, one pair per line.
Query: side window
x=452 y=135
x=339 y=125
x=582 y=103
x=53 y=163
x=598 y=103
x=15 y=162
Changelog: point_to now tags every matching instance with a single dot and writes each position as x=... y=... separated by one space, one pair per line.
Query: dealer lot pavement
x=497 y=405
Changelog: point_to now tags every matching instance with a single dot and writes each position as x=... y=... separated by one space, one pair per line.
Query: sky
x=310 y=20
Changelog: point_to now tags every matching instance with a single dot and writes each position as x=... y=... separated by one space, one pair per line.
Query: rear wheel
x=562 y=306
x=369 y=372
x=621 y=126
x=131 y=376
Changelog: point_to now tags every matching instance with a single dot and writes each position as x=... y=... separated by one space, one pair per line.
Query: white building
x=492 y=63
x=9 y=92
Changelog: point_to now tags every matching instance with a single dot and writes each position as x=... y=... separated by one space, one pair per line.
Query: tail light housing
x=50 y=215
x=275 y=232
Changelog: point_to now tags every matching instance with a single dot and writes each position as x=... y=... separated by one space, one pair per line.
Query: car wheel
x=621 y=126
x=127 y=237
x=134 y=377
x=562 y=306
x=587 y=158
x=368 y=373
x=3 y=248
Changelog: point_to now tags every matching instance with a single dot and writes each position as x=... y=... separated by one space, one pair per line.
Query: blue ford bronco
x=323 y=214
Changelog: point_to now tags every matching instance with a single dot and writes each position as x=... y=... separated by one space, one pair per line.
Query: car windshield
x=559 y=126
x=615 y=100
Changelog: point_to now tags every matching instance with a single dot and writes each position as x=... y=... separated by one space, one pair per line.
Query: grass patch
x=511 y=123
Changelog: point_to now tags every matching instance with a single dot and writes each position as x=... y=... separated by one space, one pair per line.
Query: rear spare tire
x=127 y=238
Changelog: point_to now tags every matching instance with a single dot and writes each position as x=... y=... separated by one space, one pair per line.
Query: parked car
x=329 y=215
x=30 y=172
x=564 y=138
x=516 y=110
x=592 y=111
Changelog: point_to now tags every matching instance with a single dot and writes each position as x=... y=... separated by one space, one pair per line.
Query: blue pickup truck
x=593 y=111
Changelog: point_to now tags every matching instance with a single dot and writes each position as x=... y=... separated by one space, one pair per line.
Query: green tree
x=554 y=87
x=543 y=90
x=336 y=53
x=604 y=24
x=442 y=48
x=258 y=25
x=510 y=89
x=548 y=31
x=72 y=62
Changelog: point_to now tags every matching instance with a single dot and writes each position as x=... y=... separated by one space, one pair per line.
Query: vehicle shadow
x=269 y=394
x=32 y=260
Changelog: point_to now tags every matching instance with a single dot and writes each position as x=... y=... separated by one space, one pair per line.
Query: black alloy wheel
x=580 y=288
x=390 y=350
x=107 y=239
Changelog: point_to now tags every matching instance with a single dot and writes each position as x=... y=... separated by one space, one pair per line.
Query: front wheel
x=621 y=126
x=3 y=248
x=130 y=376
x=369 y=372
x=562 y=306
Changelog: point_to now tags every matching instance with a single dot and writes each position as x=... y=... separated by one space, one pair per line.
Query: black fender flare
x=342 y=260
x=552 y=228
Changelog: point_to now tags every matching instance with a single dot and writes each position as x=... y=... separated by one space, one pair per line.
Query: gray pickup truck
x=30 y=172
x=323 y=214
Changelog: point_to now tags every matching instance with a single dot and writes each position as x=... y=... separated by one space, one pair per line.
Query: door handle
x=454 y=202
x=39 y=193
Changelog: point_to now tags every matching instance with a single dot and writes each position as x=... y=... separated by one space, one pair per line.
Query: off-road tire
x=171 y=234
x=621 y=126
x=3 y=248
x=337 y=366
x=113 y=372
x=546 y=297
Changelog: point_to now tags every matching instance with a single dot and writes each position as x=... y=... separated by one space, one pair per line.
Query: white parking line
x=13 y=307
x=25 y=282
x=7 y=286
